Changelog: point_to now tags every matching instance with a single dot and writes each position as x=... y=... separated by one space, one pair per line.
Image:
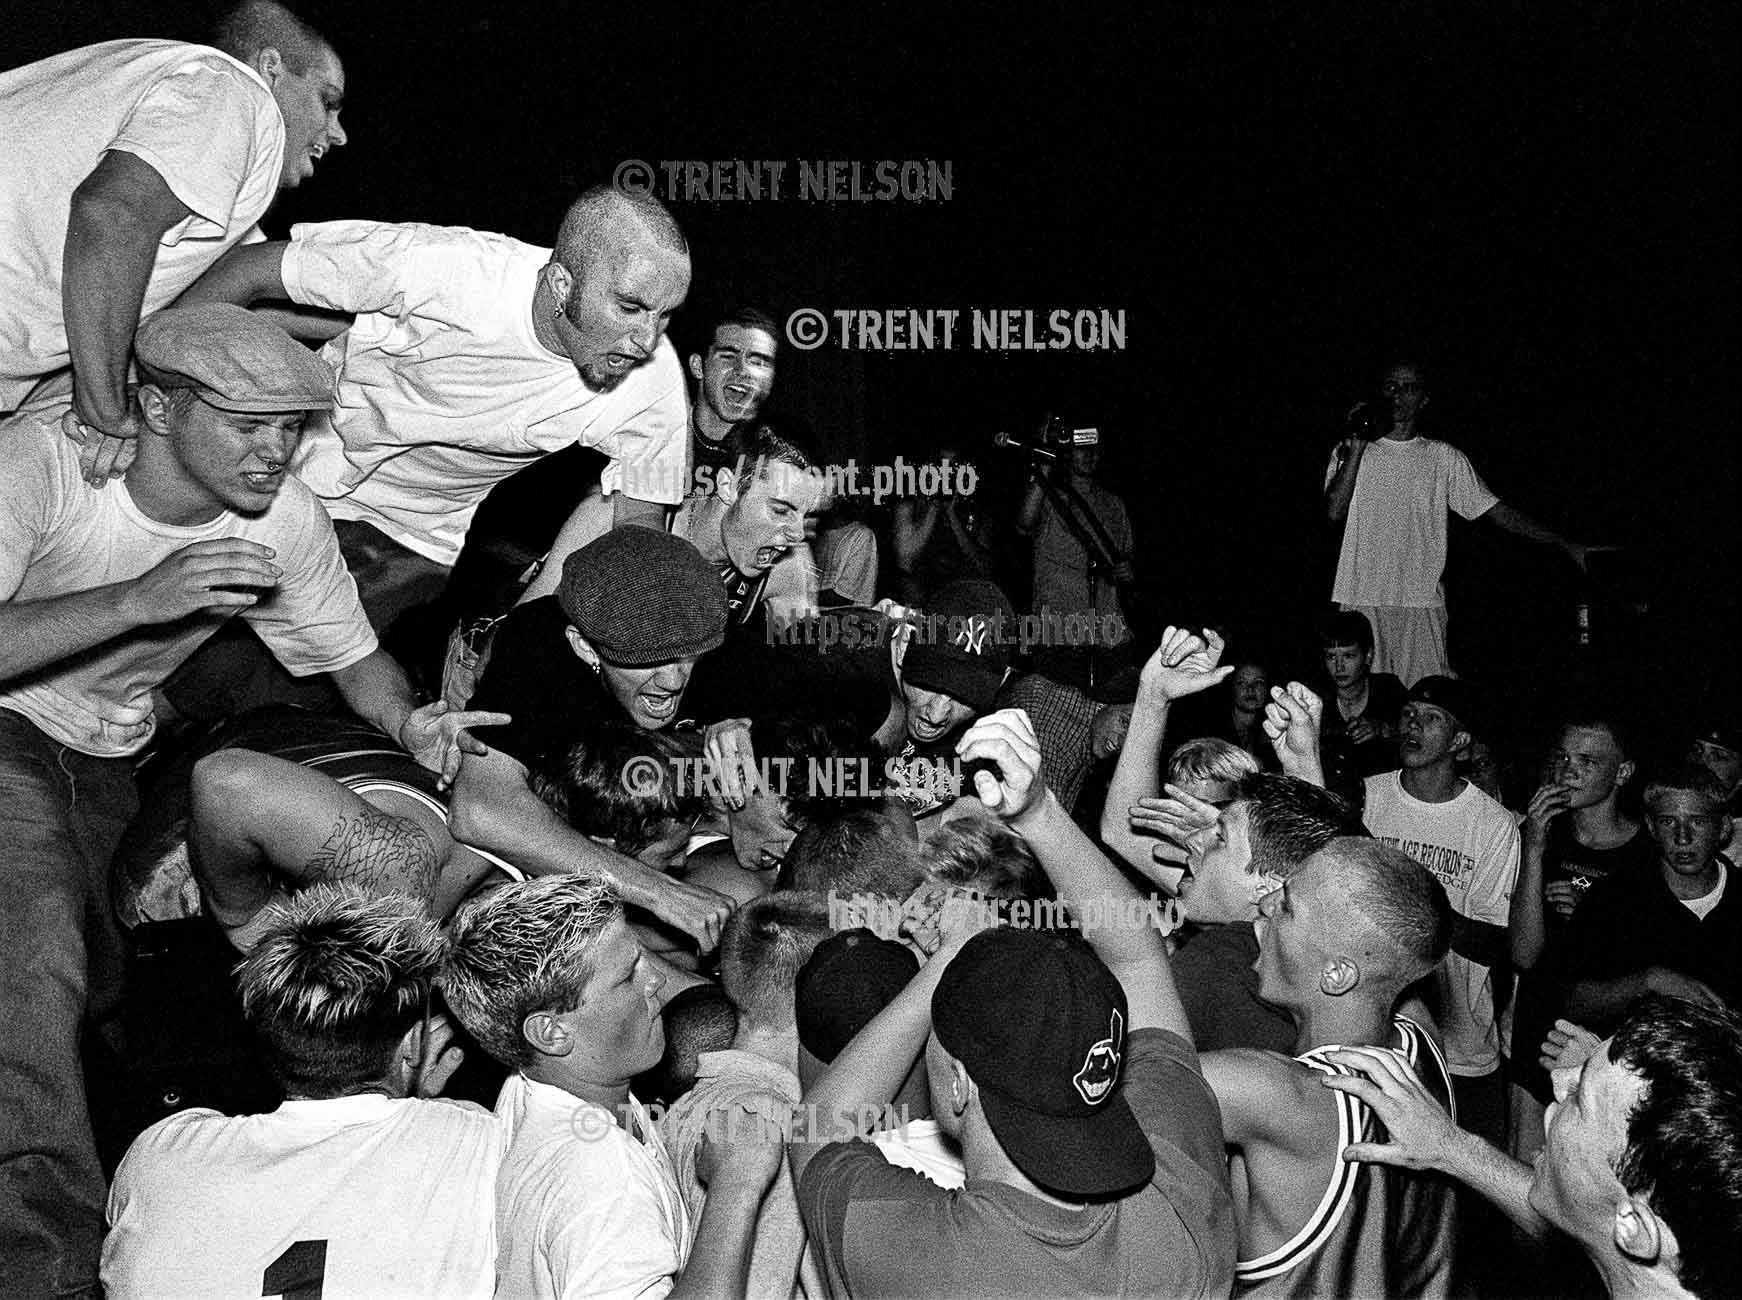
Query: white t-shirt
x=444 y=389
x=1471 y=844
x=207 y=124
x=584 y=1208
x=58 y=535
x=366 y=1197
x=1394 y=541
x=920 y=1145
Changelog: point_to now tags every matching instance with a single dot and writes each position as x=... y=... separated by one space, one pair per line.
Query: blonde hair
x=521 y=948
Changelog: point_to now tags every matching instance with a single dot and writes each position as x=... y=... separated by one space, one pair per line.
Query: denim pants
x=61 y=954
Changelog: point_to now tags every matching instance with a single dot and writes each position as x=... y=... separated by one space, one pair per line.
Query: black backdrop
x=1539 y=201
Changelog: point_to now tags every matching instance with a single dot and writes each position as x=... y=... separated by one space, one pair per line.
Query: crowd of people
x=811 y=926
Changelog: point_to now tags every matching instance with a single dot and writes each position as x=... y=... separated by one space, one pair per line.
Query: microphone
x=1005 y=440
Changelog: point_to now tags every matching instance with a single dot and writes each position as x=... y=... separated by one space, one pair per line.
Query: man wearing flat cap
x=617 y=641
x=103 y=593
x=1471 y=843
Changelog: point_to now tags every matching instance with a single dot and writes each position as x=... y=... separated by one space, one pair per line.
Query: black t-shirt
x=1564 y=858
x=1386 y=697
x=805 y=671
x=711 y=455
x=535 y=676
x=1542 y=990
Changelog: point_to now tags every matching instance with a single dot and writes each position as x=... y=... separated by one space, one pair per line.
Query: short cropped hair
x=698 y=1019
x=1684 y=778
x=1403 y=904
x=622 y=784
x=521 y=948
x=811 y=751
x=985 y=856
x=745 y=316
x=1210 y=759
x=335 y=984
x=1619 y=732
x=601 y=215
x=1684 y=1137
x=860 y=852
x=254 y=25
x=754 y=446
x=1347 y=627
x=764 y=944
x=1290 y=820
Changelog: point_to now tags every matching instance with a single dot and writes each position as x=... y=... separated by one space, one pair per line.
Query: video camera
x=1055 y=438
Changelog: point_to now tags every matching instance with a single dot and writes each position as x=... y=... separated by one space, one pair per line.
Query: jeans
x=61 y=954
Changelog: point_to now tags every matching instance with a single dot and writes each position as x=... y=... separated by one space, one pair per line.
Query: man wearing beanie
x=1471 y=843
x=1065 y=1066
x=618 y=639
x=104 y=593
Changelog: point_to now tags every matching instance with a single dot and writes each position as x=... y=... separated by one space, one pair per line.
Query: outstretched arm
x=377 y=690
x=252 y=274
x=1182 y=665
x=1513 y=520
x=495 y=809
x=1117 y=920
x=1424 y=1137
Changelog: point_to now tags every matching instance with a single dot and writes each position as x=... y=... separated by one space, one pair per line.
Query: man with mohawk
x=356 y=1183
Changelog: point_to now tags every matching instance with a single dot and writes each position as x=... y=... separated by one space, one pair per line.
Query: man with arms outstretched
x=1642 y=1164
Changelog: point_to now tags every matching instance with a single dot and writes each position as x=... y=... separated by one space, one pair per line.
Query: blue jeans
x=61 y=815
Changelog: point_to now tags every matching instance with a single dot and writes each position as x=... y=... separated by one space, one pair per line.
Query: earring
x=557 y=312
x=595 y=667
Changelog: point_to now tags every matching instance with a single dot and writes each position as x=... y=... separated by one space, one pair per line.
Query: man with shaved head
x=130 y=167
x=470 y=356
x=1338 y=941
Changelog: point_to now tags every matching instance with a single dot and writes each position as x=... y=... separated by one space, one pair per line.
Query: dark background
x=1537 y=201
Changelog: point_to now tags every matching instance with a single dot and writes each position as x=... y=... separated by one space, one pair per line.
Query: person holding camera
x=1393 y=487
x=1082 y=559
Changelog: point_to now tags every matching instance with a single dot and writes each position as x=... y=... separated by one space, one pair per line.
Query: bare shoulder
x=1266 y=1096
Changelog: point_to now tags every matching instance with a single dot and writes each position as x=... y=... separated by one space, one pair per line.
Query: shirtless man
x=1338 y=942
x=262 y=826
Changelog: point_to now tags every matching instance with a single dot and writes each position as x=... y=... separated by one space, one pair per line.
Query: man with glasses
x=1394 y=489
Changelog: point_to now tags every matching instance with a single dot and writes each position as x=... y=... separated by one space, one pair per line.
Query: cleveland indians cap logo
x=1094 y=1082
x=972 y=637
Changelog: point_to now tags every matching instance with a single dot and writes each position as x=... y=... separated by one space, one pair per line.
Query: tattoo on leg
x=379 y=853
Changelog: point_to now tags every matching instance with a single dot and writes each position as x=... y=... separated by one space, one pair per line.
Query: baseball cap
x=642 y=596
x=1723 y=735
x=1040 y=1024
x=850 y=977
x=961 y=646
x=237 y=360
x=1450 y=694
